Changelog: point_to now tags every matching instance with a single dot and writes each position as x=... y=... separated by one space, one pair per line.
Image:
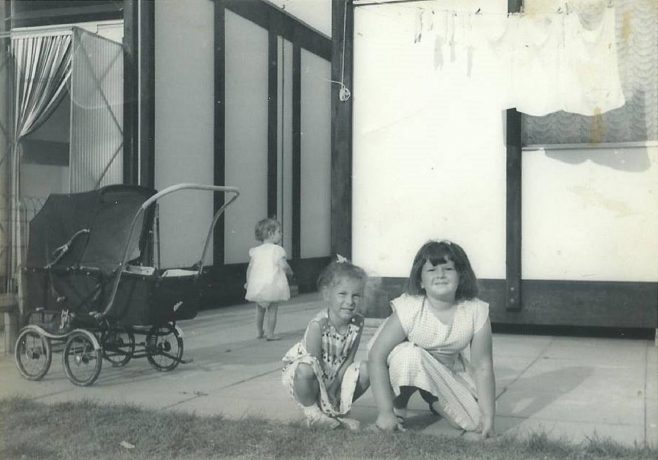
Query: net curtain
x=42 y=69
x=557 y=59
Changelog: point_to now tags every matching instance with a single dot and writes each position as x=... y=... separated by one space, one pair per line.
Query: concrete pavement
x=571 y=388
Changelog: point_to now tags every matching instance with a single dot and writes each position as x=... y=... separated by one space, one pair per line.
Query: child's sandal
x=315 y=417
x=350 y=423
x=400 y=415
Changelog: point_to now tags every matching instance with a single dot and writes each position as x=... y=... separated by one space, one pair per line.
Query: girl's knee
x=404 y=353
x=306 y=385
x=304 y=373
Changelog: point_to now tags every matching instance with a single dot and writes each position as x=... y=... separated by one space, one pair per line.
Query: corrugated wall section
x=96 y=112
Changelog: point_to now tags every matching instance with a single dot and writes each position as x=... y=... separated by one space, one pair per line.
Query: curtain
x=636 y=39
x=42 y=68
x=563 y=58
x=539 y=63
x=580 y=71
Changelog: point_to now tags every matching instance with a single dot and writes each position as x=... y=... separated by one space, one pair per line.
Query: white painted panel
x=591 y=215
x=246 y=132
x=429 y=153
x=315 y=156
x=184 y=114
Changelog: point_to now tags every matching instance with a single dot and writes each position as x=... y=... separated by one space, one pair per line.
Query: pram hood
x=106 y=213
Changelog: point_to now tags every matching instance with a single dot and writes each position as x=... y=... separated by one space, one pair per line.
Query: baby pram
x=92 y=286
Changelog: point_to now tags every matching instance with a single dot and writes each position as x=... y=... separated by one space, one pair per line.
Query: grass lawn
x=86 y=430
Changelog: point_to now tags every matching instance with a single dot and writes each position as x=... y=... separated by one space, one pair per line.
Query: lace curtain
x=581 y=71
x=42 y=67
x=636 y=32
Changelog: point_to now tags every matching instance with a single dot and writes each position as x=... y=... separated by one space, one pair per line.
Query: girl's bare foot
x=350 y=423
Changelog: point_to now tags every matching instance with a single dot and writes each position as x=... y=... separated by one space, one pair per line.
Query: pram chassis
x=84 y=348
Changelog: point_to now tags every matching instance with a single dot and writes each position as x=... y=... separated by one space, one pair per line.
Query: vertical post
x=131 y=91
x=146 y=57
x=9 y=309
x=220 y=126
x=514 y=181
x=272 y=123
x=342 y=30
x=296 y=150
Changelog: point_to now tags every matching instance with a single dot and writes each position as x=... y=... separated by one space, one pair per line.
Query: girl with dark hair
x=424 y=345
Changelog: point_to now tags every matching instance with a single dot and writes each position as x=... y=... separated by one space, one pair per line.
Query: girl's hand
x=388 y=422
x=488 y=431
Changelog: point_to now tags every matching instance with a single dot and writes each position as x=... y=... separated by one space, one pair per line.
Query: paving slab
x=610 y=352
x=530 y=346
x=572 y=409
x=509 y=369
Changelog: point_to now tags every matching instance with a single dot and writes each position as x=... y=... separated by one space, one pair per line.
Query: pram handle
x=234 y=191
x=189 y=186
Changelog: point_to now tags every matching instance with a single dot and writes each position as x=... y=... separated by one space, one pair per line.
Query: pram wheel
x=118 y=346
x=82 y=360
x=164 y=348
x=33 y=354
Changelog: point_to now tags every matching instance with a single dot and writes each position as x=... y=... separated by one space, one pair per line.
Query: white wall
x=591 y=214
x=315 y=206
x=429 y=162
x=429 y=153
x=246 y=93
x=184 y=114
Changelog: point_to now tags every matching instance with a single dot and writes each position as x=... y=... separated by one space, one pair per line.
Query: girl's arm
x=485 y=383
x=248 y=274
x=391 y=335
x=313 y=341
x=283 y=265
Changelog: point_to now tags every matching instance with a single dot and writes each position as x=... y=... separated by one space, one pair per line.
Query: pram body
x=92 y=285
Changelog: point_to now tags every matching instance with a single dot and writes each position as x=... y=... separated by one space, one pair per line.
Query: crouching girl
x=320 y=371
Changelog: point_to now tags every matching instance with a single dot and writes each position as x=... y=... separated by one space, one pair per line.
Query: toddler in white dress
x=267 y=283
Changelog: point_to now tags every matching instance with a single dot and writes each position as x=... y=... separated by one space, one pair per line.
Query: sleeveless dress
x=435 y=356
x=335 y=350
x=266 y=280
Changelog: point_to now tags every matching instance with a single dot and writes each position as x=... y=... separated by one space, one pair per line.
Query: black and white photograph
x=406 y=229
